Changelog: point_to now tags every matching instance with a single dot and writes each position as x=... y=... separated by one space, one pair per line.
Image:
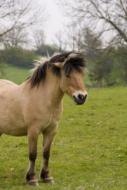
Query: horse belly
x=11 y=126
x=15 y=131
x=11 y=117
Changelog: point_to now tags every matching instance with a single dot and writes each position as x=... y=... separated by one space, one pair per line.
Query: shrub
x=18 y=57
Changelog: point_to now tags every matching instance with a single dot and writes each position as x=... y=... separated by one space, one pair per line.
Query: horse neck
x=48 y=89
x=52 y=89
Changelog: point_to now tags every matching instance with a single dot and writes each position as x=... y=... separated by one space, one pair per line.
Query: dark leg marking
x=44 y=171
x=44 y=174
x=47 y=141
x=46 y=155
x=32 y=156
x=30 y=174
x=32 y=144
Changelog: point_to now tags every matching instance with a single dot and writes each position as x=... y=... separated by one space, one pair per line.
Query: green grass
x=89 y=152
x=14 y=73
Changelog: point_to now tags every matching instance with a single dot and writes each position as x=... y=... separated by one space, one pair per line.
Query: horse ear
x=72 y=55
x=58 y=64
x=61 y=63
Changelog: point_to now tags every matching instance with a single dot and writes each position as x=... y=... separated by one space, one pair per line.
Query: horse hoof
x=48 y=180
x=33 y=182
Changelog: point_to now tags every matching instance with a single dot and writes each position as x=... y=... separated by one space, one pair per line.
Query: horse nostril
x=82 y=97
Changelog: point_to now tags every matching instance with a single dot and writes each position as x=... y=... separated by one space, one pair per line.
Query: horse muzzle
x=80 y=98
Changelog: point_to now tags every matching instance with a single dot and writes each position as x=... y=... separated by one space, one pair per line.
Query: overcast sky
x=55 y=19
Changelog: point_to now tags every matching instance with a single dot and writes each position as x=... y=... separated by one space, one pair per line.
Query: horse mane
x=39 y=74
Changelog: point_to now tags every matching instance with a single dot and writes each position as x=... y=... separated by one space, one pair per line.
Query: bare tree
x=16 y=16
x=102 y=16
x=39 y=38
x=90 y=44
x=15 y=38
x=60 y=42
x=74 y=37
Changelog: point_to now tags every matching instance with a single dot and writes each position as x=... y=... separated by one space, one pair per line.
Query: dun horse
x=34 y=107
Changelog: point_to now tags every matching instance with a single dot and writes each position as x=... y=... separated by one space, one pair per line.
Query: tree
x=121 y=61
x=89 y=43
x=46 y=50
x=60 y=41
x=74 y=36
x=102 y=16
x=39 y=38
x=16 y=17
x=98 y=64
x=41 y=47
x=15 y=38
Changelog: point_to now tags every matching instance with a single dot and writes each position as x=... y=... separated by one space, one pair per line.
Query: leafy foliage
x=107 y=66
x=18 y=57
x=45 y=50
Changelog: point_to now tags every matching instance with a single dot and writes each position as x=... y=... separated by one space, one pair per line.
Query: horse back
x=6 y=83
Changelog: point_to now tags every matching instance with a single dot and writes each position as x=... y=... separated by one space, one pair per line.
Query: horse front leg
x=47 y=141
x=32 y=143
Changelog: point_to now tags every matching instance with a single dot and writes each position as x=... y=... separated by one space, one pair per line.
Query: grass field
x=89 y=152
x=14 y=73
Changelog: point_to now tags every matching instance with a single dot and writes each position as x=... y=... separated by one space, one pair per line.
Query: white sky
x=55 y=19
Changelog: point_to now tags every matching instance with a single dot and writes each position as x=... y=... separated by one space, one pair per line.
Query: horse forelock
x=75 y=61
x=69 y=61
x=59 y=57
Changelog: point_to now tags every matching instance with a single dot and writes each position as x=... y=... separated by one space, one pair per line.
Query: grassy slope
x=15 y=74
x=89 y=152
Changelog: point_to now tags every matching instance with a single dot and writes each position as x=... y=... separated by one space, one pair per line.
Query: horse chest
x=49 y=117
x=43 y=115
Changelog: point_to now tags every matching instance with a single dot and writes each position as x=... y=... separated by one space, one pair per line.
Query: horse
x=34 y=107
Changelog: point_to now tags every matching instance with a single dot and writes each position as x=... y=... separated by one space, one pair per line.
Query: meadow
x=90 y=148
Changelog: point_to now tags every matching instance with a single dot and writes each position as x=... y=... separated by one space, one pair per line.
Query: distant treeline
x=25 y=58
x=106 y=67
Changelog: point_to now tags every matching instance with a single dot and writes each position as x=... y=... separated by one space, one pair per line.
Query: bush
x=46 y=49
x=109 y=68
x=18 y=57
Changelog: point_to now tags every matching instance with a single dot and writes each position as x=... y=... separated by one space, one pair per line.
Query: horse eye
x=67 y=75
